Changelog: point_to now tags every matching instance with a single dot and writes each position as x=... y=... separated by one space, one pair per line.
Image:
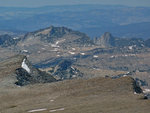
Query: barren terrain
x=98 y=95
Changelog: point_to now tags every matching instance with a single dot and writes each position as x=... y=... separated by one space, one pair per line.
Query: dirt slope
x=97 y=95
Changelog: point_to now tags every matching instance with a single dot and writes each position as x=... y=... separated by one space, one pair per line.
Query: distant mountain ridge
x=68 y=37
x=121 y=21
x=107 y=40
x=51 y=34
x=57 y=35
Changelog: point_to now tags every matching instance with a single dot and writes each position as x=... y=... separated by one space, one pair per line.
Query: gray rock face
x=136 y=87
x=106 y=40
x=65 y=70
x=7 y=40
x=37 y=76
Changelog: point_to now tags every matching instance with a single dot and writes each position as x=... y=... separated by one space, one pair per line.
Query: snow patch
x=130 y=47
x=61 y=109
x=112 y=56
x=72 y=52
x=96 y=69
x=142 y=45
x=54 y=45
x=95 y=56
x=125 y=55
x=26 y=51
x=55 y=50
x=124 y=75
x=132 y=55
x=57 y=42
x=31 y=111
x=73 y=49
x=74 y=76
x=25 y=66
x=15 y=38
x=82 y=53
x=72 y=68
x=146 y=91
x=128 y=72
x=51 y=100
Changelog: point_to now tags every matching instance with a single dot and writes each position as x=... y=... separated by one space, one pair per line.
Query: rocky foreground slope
x=97 y=95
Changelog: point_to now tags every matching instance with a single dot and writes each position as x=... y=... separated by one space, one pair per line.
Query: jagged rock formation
x=65 y=70
x=27 y=74
x=22 y=72
x=7 y=40
x=53 y=34
x=65 y=37
x=136 y=86
x=141 y=82
x=106 y=40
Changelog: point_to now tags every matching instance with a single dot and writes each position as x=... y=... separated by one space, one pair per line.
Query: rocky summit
x=56 y=35
x=106 y=40
x=65 y=70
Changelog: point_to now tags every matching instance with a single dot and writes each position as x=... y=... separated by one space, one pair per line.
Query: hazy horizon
x=41 y=3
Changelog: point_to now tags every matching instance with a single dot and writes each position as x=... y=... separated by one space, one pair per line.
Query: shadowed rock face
x=37 y=76
x=136 y=87
x=6 y=40
x=27 y=74
x=23 y=72
x=64 y=70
